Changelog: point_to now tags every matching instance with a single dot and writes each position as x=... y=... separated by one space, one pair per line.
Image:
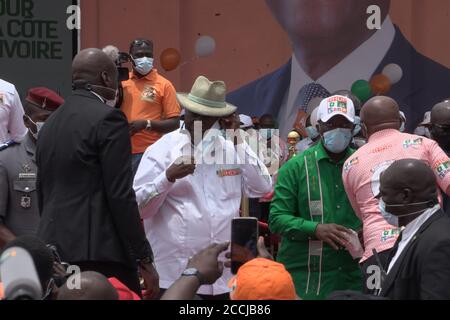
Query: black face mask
x=441 y=137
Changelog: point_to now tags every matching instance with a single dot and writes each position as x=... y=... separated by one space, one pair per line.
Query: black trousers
x=125 y=274
x=372 y=261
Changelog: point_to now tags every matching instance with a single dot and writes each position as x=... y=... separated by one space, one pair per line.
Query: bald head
x=408 y=187
x=440 y=114
x=380 y=113
x=409 y=173
x=93 y=286
x=93 y=66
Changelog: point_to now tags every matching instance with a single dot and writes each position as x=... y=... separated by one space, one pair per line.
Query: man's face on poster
x=316 y=19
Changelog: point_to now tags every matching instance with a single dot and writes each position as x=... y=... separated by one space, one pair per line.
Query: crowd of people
x=136 y=186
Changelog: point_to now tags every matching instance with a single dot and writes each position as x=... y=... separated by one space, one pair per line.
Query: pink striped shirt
x=361 y=175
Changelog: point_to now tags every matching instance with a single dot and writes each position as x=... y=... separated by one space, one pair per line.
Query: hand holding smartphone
x=244 y=239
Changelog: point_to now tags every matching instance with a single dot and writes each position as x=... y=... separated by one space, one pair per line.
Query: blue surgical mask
x=143 y=65
x=312 y=132
x=337 y=140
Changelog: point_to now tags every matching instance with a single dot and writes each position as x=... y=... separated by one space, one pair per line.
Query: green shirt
x=290 y=217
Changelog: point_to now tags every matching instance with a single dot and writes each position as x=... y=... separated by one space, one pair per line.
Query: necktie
x=309 y=92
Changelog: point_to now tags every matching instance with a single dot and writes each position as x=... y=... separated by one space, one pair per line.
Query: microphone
x=19 y=276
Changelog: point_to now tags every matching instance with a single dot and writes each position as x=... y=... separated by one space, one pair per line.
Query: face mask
x=266 y=134
x=392 y=219
x=312 y=132
x=337 y=140
x=38 y=124
x=110 y=102
x=143 y=65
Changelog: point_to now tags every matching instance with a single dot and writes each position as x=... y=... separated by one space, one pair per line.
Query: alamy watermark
x=374 y=20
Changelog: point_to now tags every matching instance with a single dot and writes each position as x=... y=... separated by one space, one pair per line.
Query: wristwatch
x=192 y=272
x=149 y=125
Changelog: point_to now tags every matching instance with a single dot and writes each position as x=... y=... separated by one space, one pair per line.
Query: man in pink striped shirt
x=380 y=122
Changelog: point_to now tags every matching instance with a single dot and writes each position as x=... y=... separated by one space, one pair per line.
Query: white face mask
x=38 y=124
x=110 y=102
x=392 y=219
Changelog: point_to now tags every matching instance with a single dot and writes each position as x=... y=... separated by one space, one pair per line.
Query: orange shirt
x=152 y=97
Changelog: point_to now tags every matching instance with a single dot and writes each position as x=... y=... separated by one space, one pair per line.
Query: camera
x=122 y=58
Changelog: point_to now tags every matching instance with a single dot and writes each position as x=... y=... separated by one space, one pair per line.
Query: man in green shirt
x=311 y=211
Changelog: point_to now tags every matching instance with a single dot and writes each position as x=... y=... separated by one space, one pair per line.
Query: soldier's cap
x=44 y=98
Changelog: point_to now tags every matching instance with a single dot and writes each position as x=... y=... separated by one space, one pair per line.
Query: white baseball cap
x=336 y=105
x=246 y=121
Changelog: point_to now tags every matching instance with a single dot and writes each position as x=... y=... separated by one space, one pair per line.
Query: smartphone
x=244 y=238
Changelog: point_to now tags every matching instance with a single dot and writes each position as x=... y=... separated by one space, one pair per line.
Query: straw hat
x=207 y=98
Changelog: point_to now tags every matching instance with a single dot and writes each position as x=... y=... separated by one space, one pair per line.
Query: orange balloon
x=380 y=84
x=170 y=59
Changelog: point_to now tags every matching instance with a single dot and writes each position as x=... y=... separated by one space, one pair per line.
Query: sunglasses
x=141 y=42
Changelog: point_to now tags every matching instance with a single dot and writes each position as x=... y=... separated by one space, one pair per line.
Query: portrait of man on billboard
x=333 y=48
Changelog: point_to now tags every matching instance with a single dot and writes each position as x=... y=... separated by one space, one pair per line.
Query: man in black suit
x=332 y=48
x=87 y=204
x=419 y=264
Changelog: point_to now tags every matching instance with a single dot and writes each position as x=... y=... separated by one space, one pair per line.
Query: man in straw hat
x=187 y=194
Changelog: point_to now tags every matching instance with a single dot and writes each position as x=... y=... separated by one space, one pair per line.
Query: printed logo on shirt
x=412 y=143
x=350 y=164
x=2 y=98
x=337 y=104
x=376 y=172
x=389 y=234
x=149 y=93
x=229 y=172
x=442 y=169
x=381 y=148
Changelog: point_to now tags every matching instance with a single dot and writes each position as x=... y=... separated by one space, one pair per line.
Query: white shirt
x=360 y=64
x=11 y=114
x=185 y=217
x=410 y=230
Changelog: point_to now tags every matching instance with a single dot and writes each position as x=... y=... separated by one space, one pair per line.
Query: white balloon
x=394 y=72
x=205 y=46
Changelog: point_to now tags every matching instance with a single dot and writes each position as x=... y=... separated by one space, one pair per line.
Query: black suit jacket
x=424 y=84
x=87 y=203
x=422 y=271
